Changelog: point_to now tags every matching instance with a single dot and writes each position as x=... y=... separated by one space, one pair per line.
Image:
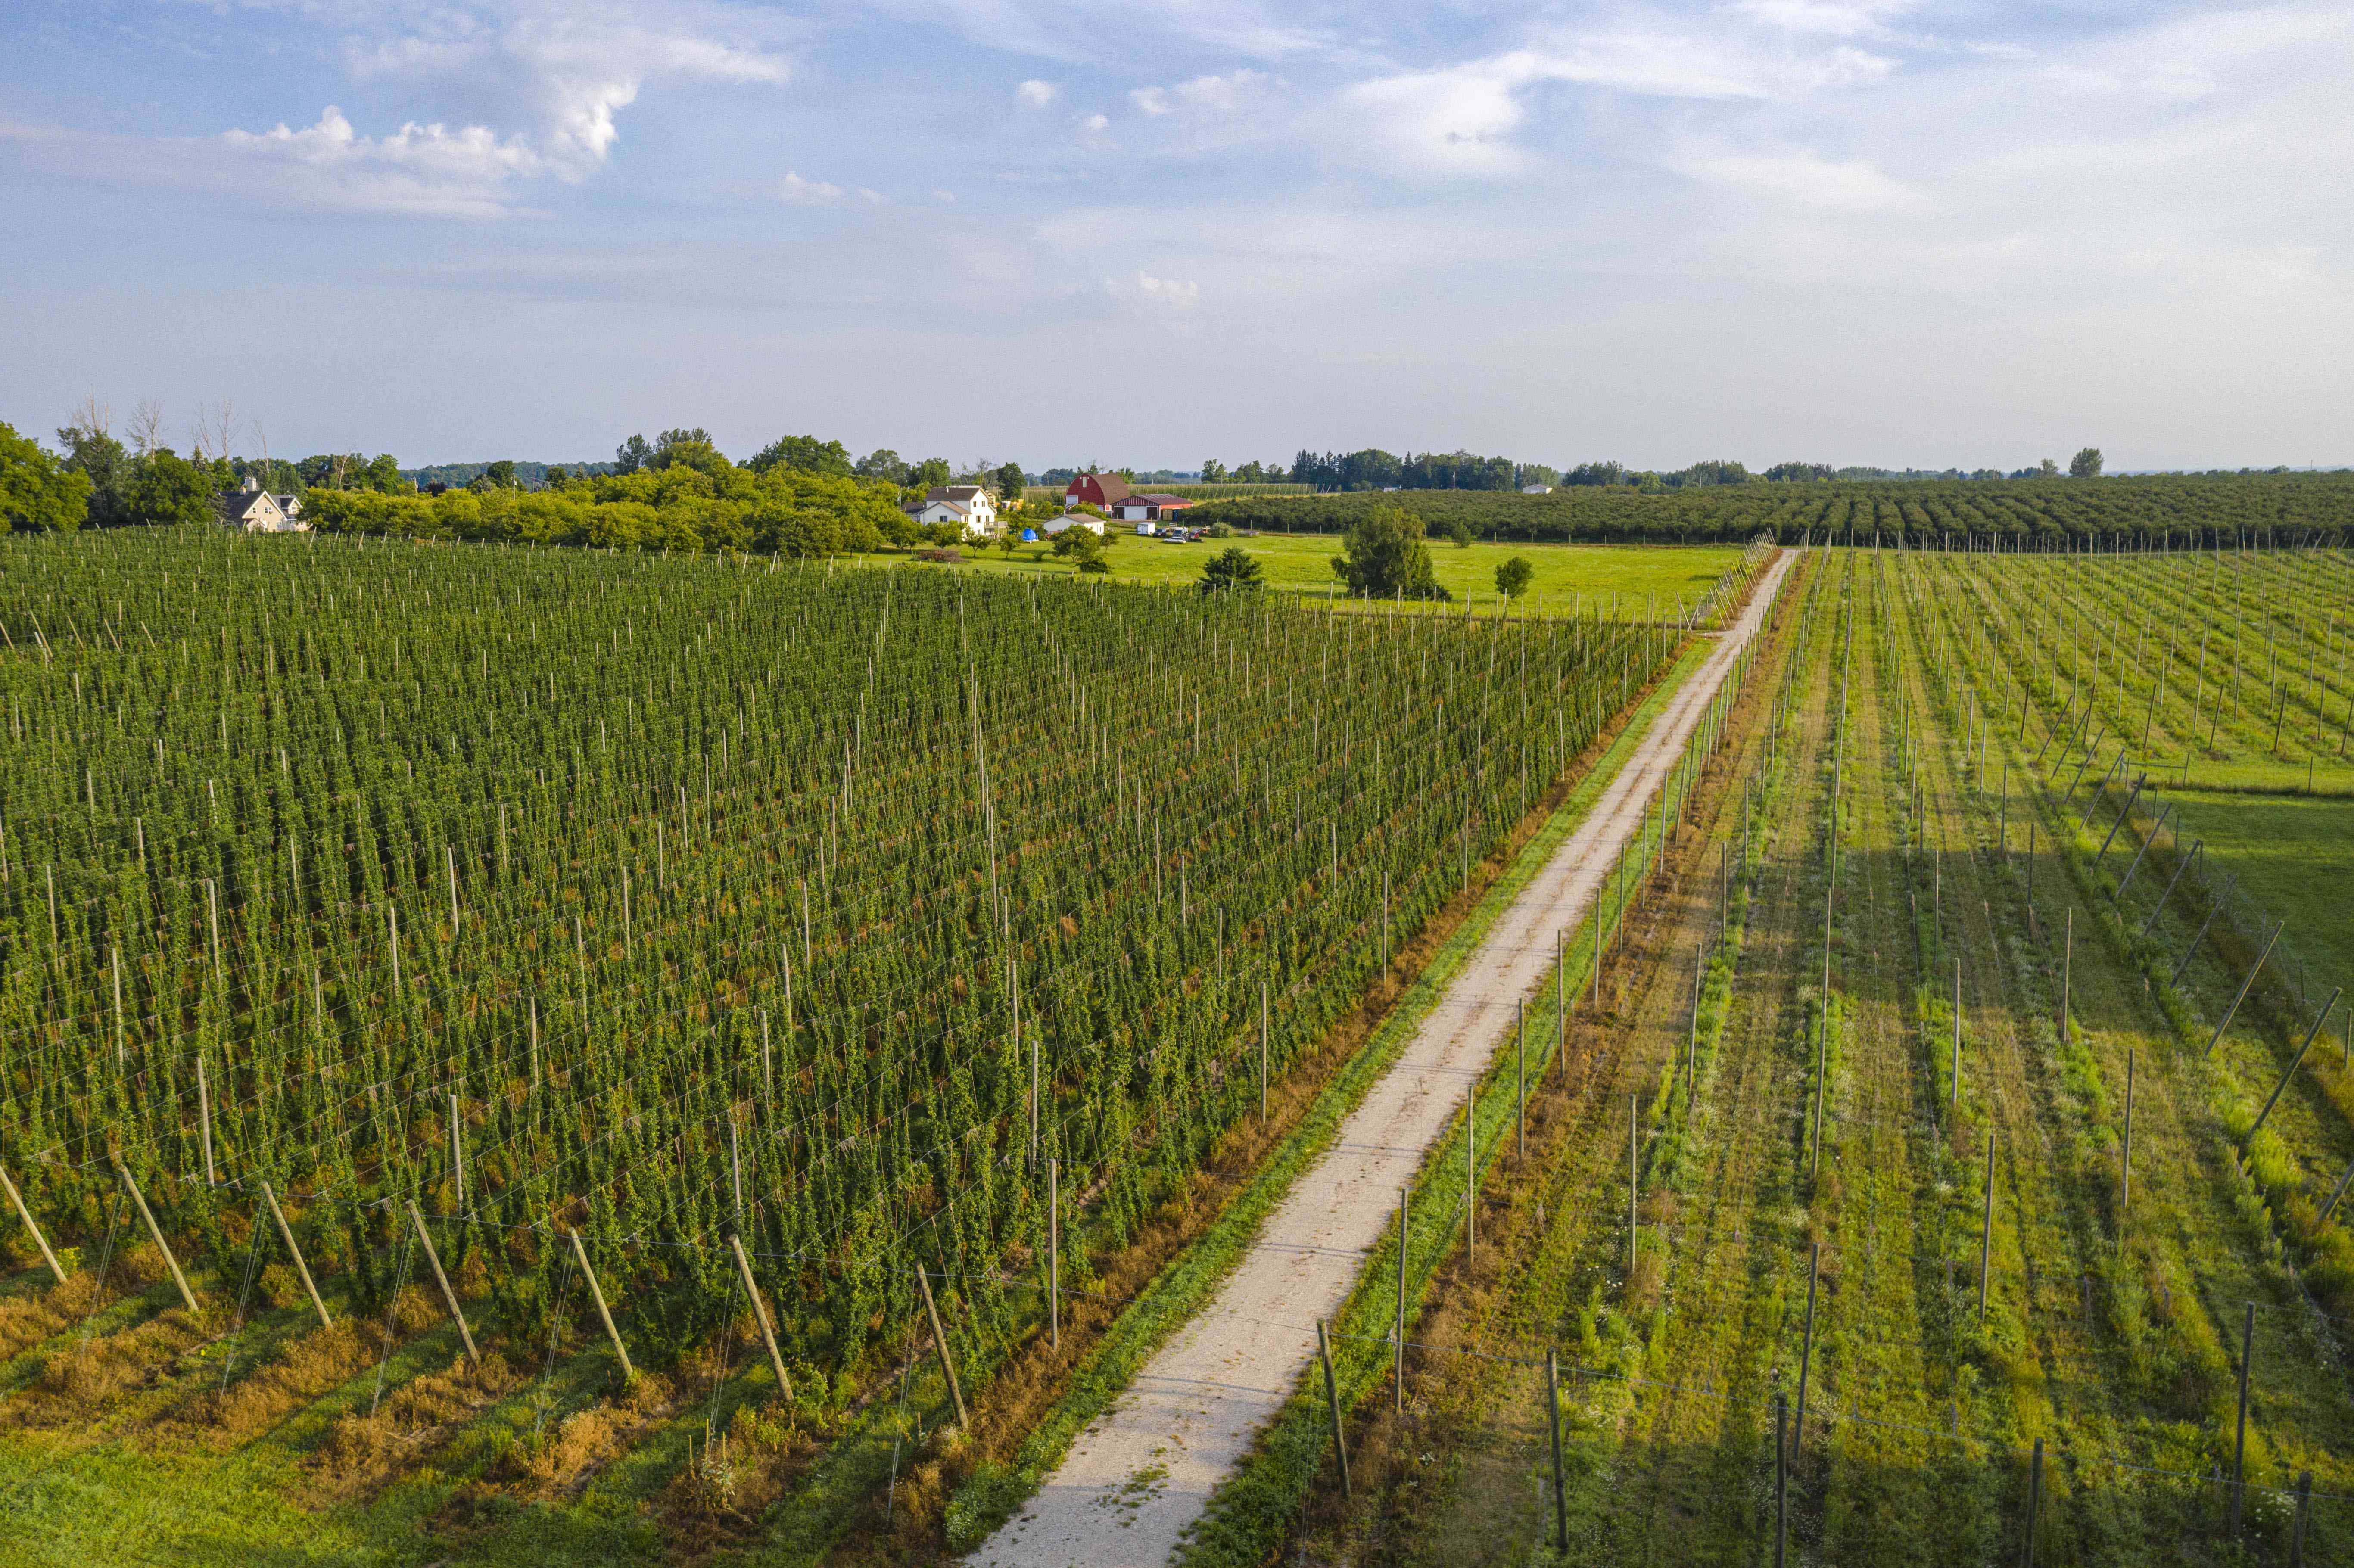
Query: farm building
x=1140 y=508
x=968 y=506
x=258 y=511
x=1054 y=526
x=1102 y=490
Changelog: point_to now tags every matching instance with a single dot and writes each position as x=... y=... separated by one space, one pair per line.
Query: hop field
x=378 y=918
x=1906 y=1202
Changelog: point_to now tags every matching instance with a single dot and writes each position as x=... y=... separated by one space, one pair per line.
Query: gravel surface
x=1143 y=1471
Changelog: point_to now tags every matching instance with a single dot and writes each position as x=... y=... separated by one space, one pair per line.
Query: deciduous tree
x=1388 y=557
x=38 y=493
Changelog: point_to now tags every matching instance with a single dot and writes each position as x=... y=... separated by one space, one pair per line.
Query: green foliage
x=687 y=503
x=99 y=458
x=1513 y=577
x=2085 y=464
x=38 y=493
x=1231 y=567
x=381 y=473
x=802 y=452
x=883 y=465
x=1082 y=544
x=1386 y=558
x=163 y=489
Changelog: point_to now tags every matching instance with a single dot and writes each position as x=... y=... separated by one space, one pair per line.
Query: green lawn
x=2294 y=856
x=1628 y=577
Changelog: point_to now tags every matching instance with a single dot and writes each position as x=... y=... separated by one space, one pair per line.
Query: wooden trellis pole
x=1553 y=1426
x=302 y=1269
x=2246 y=986
x=604 y=1314
x=1807 y=1343
x=2294 y=1062
x=760 y=1316
x=449 y=1297
x=940 y=1338
x=1986 y=1230
x=2239 y=1437
x=26 y=1214
x=2124 y=1165
x=1333 y=1405
x=155 y=1232
x=1397 y=1343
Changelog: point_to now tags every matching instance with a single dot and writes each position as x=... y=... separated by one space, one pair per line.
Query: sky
x=1072 y=231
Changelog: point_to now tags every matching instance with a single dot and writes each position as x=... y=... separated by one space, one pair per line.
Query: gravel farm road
x=1144 y=1470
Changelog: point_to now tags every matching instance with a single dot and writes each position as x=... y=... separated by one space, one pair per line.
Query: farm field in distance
x=1628 y=580
x=532 y=1056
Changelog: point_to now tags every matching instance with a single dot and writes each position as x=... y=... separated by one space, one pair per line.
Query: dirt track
x=1143 y=1472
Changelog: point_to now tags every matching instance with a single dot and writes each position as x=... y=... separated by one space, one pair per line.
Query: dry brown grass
x=43 y=1314
x=76 y=1380
x=299 y=1373
x=586 y=1441
x=365 y=1450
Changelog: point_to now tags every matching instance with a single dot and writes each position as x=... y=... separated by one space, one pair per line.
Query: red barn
x=1104 y=490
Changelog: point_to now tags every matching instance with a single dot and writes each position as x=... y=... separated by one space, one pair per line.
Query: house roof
x=1159 y=500
x=240 y=505
x=960 y=493
x=1109 y=485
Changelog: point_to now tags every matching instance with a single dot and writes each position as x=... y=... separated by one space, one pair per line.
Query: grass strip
x=1252 y=1512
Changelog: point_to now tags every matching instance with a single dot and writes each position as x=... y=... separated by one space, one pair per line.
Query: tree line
x=798 y=495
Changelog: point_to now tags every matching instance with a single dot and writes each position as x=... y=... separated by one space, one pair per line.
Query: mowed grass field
x=1632 y=581
x=2294 y=856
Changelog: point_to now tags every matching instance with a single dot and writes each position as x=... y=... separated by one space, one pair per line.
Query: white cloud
x=1225 y=93
x=1828 y=17
x=418 y=169
x=807 y=192
x=1147 y=292
x=1095 y=123
x=564 y=72
x=1460 y=119
x=1217 y=95
x=1667 y=65
x=942 y=196
x=1799 y=176
x=1452 y=121
x=1036 y=94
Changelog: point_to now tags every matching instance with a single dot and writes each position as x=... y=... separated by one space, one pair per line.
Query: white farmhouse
x=967 y=506
x=256 y=511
